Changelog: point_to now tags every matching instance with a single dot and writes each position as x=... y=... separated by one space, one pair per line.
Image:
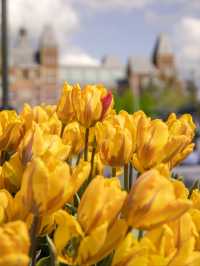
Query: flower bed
x=58 y=208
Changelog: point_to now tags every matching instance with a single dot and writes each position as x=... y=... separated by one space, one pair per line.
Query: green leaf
x=44 y=262
x=53 y=255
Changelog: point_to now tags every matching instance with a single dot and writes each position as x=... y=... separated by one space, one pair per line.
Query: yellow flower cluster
x=55 y=198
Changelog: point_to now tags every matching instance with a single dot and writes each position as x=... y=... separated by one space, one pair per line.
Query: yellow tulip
x=195 y=213
x=131 y=122
x=49 y=109
x=11 y=130
x=97 y=229
x=37 y=143
x=52 y=126
x=14 y=244
x=175 y=242
x=183 y=126
x=158 y=142
x=110 y=201
x=6 y=201
x=180 y=189
x=99 y=167
x=30 y=115
x=131 y=252
x=73 y=136
x=163 y=239
x=114 y=143
x=44 y=116
x=185 y=235
x=91 y=104
x=195 y=197
x=65 y=110
x=11 y=209
x=153 y=201
x=167 y=245
x=11 y=174
x=47 y=184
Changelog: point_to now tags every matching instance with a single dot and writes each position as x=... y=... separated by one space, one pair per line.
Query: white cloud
x=135 y=4
x=34 y=15
x=187 y=41
x=118 y=3
x=58 y=13
x=79 y=58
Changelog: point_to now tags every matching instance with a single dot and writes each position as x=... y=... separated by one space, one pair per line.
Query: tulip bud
x=97 y=230
x=131 y=252
x=65 y=110
x=153 y=201
x=52 y=126
x=52 y=176
x=10 y=130
x=131 y=122
x=195 y=213
x=185 y=235
x=183 y=126
x=108 y=197
x=14 y=244
x=38 y=143
x=11 y=174
x=157 y=142
x=73 y=136
x=5 y=206
x=45 y=116
x=114 y=143
x=36 y=114
x=91 y=104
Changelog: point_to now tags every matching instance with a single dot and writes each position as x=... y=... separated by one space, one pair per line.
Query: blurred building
x=160 y=67
x=34 y=74
x=109 y=72
x=37 y=76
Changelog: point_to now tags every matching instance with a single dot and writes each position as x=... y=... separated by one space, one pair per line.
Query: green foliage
x=158 y=98
x=130 y=103
x=44 y=262
x=125 y=101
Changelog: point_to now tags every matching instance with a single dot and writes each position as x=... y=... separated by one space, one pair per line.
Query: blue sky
x=89 y=29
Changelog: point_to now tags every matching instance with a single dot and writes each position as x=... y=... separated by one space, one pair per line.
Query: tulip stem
x=114 y=171
x=53 y=255
x=79 y=157
x=33 y=237
x=86 y=144
x=130 y=175
x=140 y=234
x=4 y=157
x=62 y=130
x=92 y=161
x=126 y=177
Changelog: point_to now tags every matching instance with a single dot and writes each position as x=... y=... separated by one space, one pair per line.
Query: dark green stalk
x=53 y=255
x=62 y=130
x=33 y=237
x=140 y=234
x=86 y=144
x=130 y=175
x=78 y=158
x=92 y=161
x=114 y=171
x=5 y=156
x=126 y=177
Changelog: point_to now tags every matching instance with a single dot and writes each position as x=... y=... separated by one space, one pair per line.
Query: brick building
x=36 y=76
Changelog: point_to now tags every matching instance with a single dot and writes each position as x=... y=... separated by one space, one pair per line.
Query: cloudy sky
x=89 y=29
